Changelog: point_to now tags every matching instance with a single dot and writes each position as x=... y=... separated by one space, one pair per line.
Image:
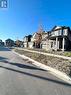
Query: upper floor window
x=53 y=33
x=56 y=33
x=65 y=32
x=59 y=32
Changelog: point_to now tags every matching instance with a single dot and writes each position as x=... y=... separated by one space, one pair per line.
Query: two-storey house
x=59 y=38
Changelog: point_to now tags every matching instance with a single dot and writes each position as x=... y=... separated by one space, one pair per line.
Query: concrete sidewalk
x=48 y=54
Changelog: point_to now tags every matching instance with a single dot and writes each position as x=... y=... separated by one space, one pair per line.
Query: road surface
x=17 y=77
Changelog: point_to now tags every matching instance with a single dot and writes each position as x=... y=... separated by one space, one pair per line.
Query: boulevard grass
x=60 y=64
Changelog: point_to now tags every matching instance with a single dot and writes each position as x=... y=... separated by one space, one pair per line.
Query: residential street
x=20 y=78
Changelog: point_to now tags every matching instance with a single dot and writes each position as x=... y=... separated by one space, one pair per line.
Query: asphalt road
x=18 y=77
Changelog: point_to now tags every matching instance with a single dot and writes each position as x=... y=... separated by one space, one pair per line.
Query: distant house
x=18 y=43
x=37 y=39
x=27 y=41
x=59 y=38
x=9 y=43
x=1 y=43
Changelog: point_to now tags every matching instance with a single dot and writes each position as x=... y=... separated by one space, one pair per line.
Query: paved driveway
x=20 y=78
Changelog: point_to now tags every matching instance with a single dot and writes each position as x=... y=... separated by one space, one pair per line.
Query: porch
x=58 y=43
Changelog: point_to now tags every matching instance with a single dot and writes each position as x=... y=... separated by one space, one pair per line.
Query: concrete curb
x=54 y=55
x=53 y=71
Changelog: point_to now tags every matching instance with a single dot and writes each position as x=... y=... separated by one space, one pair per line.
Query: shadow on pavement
x=2 y=58
x=22 y=65
x=37 y=76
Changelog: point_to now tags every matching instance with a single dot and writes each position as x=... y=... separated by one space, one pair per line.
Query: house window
x=59 y=32
x=65 y=32
x=56 y=33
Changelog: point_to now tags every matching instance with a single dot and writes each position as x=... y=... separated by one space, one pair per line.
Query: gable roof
x=59 y=27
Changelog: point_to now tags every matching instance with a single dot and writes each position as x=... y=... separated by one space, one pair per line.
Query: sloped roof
x=59 y=27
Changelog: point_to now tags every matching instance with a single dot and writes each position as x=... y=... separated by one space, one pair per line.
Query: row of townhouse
x=59 y=38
